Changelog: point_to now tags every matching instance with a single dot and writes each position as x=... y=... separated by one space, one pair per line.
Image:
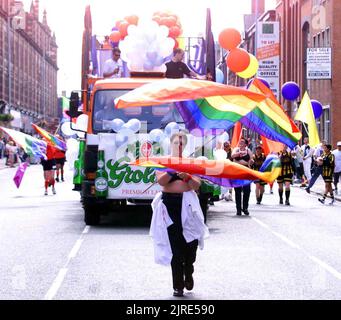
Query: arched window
x=305 y=45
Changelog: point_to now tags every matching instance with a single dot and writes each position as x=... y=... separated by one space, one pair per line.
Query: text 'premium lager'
x=101 y=181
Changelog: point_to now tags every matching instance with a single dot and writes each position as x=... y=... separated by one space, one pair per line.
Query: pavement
x=278 y=252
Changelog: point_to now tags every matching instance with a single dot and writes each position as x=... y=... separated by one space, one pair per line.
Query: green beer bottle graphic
x=101 y=181
x=78 y=174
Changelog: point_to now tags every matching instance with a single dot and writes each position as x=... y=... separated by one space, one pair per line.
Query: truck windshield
x=153 y=117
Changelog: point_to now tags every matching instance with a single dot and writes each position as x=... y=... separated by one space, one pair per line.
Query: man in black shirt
x=177 y=69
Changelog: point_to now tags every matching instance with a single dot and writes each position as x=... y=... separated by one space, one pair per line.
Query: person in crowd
x=285 y=176
x=12 y=151
x=242 y=155
x=49 y=166
x=175 y=186
x=308 y=152
x=298 y=160
x=337 y=170
x=328 y=166
x=60 y=161
x=228 y=150
x=317 y=165
x=113 y=68
x=257 y=161
x=177 y=69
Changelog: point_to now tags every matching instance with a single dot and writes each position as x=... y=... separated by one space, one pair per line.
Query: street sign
x=319 y=63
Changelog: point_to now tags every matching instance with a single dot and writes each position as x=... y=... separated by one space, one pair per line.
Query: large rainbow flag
x=207 y=105
x=269 y=119
x=32 y=146
x=215 y=170
x=53 y=140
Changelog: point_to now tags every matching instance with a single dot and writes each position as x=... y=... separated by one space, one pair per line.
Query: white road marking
x=75 y=248
x=327 y=267
x=56 y=284
x=58 y=281
x=321 y=263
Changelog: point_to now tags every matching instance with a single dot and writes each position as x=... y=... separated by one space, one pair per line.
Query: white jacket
x=192 y=220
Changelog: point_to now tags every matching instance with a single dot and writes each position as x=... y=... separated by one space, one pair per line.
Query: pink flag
x=20 y=174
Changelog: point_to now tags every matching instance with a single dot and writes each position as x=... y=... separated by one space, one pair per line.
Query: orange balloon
x=174 y=31
x=133 y=19
x=163 y=21
x=229 y=39
x=115 y=36
x=123 y=29
x=238 y=60
x=118 y=23
x=171 y=21
x=157 y=19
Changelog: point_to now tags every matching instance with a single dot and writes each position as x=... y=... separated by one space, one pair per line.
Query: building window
x=319 y=40
x=328 y=37
x=322 y=39
x=325 y=124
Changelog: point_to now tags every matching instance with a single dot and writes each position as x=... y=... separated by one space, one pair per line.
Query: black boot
x=280 y=192
x=287 y=196
x=260 y=198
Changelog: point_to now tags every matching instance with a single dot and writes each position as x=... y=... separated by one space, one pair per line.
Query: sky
x=66 y=19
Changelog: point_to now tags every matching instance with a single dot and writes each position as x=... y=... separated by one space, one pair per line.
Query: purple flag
x=20 y=174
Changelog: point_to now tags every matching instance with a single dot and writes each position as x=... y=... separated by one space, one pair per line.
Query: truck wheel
x=91 y=216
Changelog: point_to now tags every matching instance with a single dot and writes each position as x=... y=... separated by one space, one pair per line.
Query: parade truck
x=103 y=175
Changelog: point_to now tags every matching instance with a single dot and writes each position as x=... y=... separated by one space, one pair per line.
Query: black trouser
x=184 y=253
x=246 y=190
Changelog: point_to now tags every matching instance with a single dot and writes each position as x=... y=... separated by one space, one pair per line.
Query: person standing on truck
x=186 y=219
x=176 y=68
x=113 y=68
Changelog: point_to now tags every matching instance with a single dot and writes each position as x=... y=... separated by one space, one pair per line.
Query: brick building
x=304 y=24
x=313 y=24
x=28 y=53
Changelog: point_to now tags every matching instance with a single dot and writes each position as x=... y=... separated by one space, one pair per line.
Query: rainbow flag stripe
x=219 y=169
x=53 y=140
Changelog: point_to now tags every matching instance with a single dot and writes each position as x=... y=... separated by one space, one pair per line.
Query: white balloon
x=66 y=129
x=82 y=122
x=162 y=32
x=171 y=128
x=132 y=30
x=202 y=158
x=117 y=124
x=156 y=135
x=134 y=125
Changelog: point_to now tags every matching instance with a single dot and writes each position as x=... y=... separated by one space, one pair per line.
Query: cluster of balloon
x=80 y=124
x=120 y=31
x=146 y=46
x=244 y=64
x=125 y=131
x=172 y=22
